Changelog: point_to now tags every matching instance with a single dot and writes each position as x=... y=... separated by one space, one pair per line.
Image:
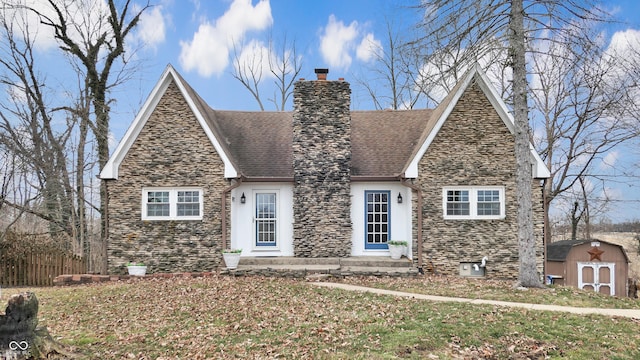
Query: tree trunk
x=528 y=275
x=102 y=122
x=20 y=338
x=83 y=243
x=575 y=220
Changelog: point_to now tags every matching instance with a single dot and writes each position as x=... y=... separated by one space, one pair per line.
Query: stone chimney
x=322 y=167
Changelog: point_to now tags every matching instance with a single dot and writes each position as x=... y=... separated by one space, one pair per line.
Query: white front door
x=599 y=277
x=265 y=220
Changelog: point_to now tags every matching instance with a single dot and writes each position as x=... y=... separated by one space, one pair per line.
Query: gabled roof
x=260 y=142
x=197 y=106
x=257 y=145
x=442 y=112
x=559 y=250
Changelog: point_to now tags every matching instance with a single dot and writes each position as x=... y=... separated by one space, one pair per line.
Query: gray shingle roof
x=558 y=250
x=260 y=142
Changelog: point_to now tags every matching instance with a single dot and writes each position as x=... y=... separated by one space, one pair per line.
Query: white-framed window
x=172 y=204
x=473 y=202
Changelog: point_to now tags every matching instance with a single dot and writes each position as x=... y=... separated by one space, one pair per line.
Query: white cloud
x=209 y=49
x=369 y=48
x=152 y=26
x=337 y=41
x=207 y=52
x=624 y=43
x=610 y=160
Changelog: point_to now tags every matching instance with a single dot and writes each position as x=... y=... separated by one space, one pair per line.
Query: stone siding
x=322 y=168
x=172 y=150
x=473 y=148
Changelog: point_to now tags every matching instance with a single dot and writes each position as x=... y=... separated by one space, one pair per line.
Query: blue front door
x=377 y=219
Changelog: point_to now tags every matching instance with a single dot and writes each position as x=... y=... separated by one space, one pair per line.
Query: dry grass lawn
x=224 y=317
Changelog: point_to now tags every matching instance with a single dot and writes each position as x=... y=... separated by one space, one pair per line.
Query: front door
x=377 y=219
x=599 y=277
x=266 y=220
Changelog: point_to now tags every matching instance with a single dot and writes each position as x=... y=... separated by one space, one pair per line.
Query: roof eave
x=110 y=171
x=539 y=170
x=357 y=178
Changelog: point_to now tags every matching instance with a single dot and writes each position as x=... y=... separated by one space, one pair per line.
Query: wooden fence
x=38 y=269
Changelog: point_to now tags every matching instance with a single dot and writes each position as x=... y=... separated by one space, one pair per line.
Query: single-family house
x=321 y=181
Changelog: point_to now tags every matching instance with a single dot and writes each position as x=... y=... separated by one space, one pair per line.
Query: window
x=377 y=222
x=158 y=203
x=473 y=203
x=189 y=203
x=488 y=202
x=171 y=204
x=266 y=219
x=458 y=202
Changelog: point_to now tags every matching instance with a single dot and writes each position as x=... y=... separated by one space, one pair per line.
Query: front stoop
x=303 y=267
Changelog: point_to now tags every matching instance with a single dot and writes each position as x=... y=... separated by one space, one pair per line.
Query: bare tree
x=248 y=70
x=394 y=79
x=29 y=135
x=510 y=25
x=282 y=62
x=583 y=96
x=97 y=42
x=285 y=65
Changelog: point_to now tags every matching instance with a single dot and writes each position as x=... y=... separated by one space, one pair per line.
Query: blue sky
x=197 y=38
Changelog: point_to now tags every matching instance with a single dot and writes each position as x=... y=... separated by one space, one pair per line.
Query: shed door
x=599 y=277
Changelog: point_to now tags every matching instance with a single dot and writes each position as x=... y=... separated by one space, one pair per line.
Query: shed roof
x=559 y=250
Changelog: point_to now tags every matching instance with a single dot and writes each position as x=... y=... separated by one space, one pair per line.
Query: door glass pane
x=377 y=219
x=266 y=219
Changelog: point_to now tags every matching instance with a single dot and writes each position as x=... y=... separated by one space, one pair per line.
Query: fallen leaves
x=266 y=318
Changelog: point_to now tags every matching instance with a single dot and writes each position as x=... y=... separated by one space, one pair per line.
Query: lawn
x=266 y=318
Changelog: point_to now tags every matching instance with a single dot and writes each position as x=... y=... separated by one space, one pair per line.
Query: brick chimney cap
x=322 y=71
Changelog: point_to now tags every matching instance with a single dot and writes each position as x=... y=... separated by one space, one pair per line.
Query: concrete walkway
x=630 y=313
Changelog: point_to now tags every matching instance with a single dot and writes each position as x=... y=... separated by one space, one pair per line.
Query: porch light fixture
x=399 y=198
x=243 y=199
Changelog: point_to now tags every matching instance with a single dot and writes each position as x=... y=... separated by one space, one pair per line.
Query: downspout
x=418 y=190
x=224 y=210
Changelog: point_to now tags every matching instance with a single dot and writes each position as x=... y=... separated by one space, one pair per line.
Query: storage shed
x=589 y=264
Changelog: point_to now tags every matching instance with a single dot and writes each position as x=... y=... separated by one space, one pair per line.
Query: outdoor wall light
x=399 y=198
x=243 y=199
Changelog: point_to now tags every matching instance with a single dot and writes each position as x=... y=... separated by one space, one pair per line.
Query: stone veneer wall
x=172 y=150
x=322 y=163
x=473 y=148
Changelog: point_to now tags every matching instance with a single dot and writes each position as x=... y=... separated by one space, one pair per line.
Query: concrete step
x=287 y=260
x=300 y=267
x=367 y=270
x=366 y=261
x=375 y=261
x=364 y=265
